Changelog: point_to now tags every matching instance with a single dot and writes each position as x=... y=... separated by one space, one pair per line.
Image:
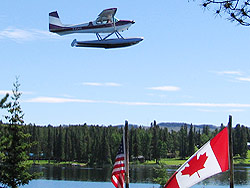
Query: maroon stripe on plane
x=61 y=29
x=54 y=14
x=55 y=28
x=110 y=9
x=123 y=22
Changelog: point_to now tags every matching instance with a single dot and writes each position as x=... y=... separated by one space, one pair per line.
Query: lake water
x=140 y=177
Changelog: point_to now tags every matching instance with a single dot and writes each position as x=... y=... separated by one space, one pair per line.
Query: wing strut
x=98 y=36
x=118 y=35
x=108 y=35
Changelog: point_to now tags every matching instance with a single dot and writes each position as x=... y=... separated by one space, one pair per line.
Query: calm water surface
x=140 y=176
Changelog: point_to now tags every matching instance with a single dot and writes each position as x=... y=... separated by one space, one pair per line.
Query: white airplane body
x=91 y=27
x=105 y=23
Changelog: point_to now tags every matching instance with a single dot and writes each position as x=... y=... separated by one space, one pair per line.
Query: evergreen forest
x=98 y=145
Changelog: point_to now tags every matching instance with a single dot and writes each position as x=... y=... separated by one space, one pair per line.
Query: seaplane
x=106 y=22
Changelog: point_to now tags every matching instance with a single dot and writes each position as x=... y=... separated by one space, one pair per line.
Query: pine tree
x=198 y=139
x=36 y=147
x=67 y=145
x=191 y=144
x=244 y=149
x=3 y=101
x=105 y=150
x=240 y=139
x=49 y=144
x=14 y=168
x=135 y=144
x=155 y=142
x=145 y=144
x=237 y=139
x=183 y=142
x=60 y=145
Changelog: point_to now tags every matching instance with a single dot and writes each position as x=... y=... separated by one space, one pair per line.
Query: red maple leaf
x=195 y=165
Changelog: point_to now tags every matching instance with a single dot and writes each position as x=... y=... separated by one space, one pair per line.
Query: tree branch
x=236 y=10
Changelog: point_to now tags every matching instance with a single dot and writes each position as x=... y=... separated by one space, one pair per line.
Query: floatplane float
x=106 y=22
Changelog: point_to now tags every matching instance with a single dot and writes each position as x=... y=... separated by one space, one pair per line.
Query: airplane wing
x=106 y=15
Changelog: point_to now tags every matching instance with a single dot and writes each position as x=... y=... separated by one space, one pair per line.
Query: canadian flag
x=211 y=159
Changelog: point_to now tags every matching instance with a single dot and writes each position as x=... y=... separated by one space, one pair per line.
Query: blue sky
x=191 y=67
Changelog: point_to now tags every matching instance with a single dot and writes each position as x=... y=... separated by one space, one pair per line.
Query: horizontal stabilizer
x=74 y=43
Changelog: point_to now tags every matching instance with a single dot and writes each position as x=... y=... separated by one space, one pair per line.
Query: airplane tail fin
x=55 y=23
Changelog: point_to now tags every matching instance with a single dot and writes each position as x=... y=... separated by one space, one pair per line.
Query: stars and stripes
x=118 y=173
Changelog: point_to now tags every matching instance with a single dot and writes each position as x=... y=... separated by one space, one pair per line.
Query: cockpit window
x=105 y=21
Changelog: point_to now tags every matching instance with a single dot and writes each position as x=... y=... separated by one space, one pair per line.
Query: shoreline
x=170 y=162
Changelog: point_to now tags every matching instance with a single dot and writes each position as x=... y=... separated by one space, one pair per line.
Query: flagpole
x=126 y=155
x=231 y=167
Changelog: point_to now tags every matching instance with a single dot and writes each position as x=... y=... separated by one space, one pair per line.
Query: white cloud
x=229 y=72
x=111 y=84
x=24 y=35
x=247 y=79
x=56 y=100
x=232 y=105
x=165 y=88
x=91 y=84
x=219 y=110
x=68 y=100
x=235 y=75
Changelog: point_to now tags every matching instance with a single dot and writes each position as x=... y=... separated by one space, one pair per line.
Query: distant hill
x=177 y=126
x=174 y=126
x=130 y=126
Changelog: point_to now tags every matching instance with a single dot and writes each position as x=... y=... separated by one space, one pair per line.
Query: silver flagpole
x=126 y=155
x=231 y=166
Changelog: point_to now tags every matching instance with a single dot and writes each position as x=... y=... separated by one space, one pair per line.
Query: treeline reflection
x=138 y=174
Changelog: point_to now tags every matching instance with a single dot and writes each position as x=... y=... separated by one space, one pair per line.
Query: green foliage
x=14 y=108
x=191 y=143
x=104 y=155
x=155 y=142
x=97 y=145
x=3 y=101
x=14 y=146
x=183 y=142
x=240 y=141
x=161 y=174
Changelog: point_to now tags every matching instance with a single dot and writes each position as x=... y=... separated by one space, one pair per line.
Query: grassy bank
x=52 y=162
x=178 y=162
x=240 y=161
x=166 y=161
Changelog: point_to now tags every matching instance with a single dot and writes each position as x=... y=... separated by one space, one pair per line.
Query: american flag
x=118 y=173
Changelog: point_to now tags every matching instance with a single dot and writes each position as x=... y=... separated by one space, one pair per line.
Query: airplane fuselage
x=91 y=27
